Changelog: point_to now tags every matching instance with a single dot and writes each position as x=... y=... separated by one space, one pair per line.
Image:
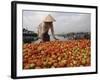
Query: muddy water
x=59 y=37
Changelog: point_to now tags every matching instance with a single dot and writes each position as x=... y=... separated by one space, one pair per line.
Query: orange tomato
x=55 y=54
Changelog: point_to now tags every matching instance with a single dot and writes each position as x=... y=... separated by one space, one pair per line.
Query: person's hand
x=56 y=39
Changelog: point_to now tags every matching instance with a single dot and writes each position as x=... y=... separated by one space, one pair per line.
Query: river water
x=52 y=39
x=59 y=37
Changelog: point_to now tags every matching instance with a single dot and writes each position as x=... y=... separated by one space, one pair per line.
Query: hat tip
x=49 y=18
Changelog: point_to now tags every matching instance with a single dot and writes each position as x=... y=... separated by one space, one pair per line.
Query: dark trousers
x=45 y=37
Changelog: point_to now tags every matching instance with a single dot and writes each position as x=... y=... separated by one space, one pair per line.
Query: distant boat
x=29 y=36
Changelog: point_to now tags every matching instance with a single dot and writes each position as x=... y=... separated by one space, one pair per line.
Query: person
x=44 y=28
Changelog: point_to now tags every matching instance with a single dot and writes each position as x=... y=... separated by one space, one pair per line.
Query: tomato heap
x=57 y=54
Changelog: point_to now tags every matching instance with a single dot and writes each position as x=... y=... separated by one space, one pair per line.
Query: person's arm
x=52 y=31
x=39 y=30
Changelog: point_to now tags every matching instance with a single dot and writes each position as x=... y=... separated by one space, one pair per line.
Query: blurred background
x=68 y=25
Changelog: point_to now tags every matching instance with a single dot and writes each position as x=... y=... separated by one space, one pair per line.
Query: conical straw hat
x=49 y=18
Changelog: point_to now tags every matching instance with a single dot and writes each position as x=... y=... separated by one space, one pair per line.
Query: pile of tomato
x=57 y=54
